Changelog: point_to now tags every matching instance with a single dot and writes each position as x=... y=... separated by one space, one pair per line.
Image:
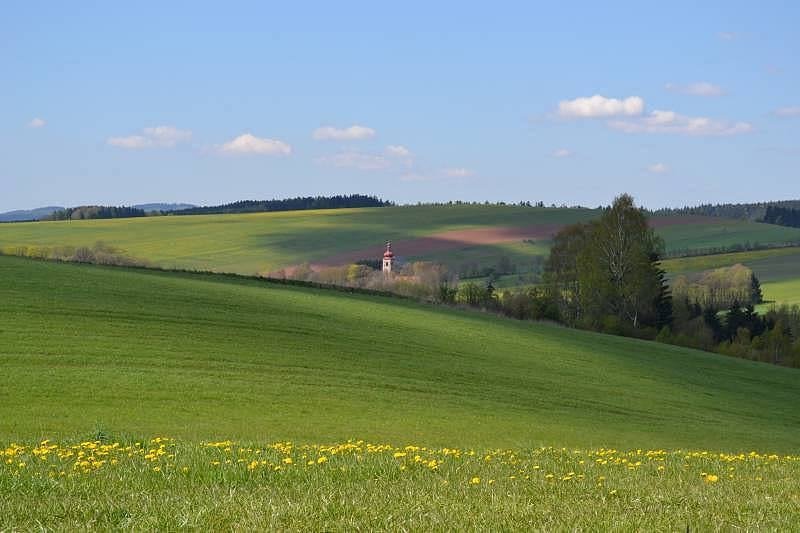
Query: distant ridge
x=21 y=215
x=290 y=204
x=149 y=208
x=755 y=211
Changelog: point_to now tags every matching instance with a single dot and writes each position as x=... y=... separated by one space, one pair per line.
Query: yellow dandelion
x=475 y=481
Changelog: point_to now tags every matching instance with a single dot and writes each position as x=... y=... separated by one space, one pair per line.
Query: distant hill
x=149 y=208
x=29 y=214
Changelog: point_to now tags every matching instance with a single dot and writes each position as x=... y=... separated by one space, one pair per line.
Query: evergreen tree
x=756 y=296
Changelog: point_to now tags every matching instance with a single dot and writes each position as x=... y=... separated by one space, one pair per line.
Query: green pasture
x=769 y=265
x=713 y=232
x=781 y=292
x=265 y=242
x=777 y=269
x=166 y=485
x=88 y=349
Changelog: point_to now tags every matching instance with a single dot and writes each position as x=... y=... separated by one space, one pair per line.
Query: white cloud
x=728 y=36
x=671 y=122
x=456 y=172
x=396 y=150
x=250 y=144
x=700 y=88
x=353 y=133
x=562 y=152
x=167 y=136
x=658 y=168
x=158 y=136
x=37 y=123
x=600 y=106
x=357 y=160
x=131 y=142
x=791 y=111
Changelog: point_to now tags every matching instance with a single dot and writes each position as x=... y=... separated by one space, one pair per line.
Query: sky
x=676 y=103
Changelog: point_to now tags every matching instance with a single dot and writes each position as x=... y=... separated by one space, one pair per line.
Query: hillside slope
x=456 y=235
x=203 y=356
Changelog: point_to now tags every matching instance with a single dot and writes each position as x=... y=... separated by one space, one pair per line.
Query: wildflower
x=711 y=478
x=287 y=460
x=475 y=481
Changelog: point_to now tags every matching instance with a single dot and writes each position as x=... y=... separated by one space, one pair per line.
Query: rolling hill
x=456 y=235
x=778 y=270
x=202 y=356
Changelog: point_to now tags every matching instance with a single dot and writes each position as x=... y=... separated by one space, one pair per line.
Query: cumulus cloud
x=562 y=152
x=598 y=106
x=728 y=36
x=155 y=137
x=357 y=160
x=396 y=150
x=791 y=111
x=353 y=133
x=37 y=123
x=658 y=168
x=167 y=136
x=250 y=144
x=672 y=122
x=700 y=88
x=457 y=172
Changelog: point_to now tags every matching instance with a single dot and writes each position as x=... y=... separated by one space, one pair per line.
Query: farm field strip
x=266 y=242
x=769 y=265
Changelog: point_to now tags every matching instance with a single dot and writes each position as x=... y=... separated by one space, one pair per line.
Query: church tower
x=388 y=259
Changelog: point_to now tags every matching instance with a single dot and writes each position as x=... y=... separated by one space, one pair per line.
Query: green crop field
x=491 y=423
x=198 y=356
x=778 y=270
x=781 y=292
x=265 y=242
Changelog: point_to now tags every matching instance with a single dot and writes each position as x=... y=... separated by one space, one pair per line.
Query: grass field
x=264 y=242
x=546 y=428
x=200 y=357
x=162 y=484
x=781 y=292
x=778 y=270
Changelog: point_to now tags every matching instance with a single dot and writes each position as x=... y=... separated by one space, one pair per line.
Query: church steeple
x=388 y=259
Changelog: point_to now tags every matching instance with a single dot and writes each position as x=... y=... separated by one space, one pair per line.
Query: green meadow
x=476 y=422
x=777 y=269
x=265 y=242
x=195 y=356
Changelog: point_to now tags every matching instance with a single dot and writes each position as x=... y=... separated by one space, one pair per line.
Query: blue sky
x=567 y=102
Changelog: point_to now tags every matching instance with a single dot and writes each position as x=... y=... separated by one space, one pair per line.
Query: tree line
x=290 y=204
x=86 y=212
x=755 y=211
x=782 y=216
x=605 y=276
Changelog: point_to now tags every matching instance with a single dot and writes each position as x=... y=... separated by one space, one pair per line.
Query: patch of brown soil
x=453 y=240
x=448 y=240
